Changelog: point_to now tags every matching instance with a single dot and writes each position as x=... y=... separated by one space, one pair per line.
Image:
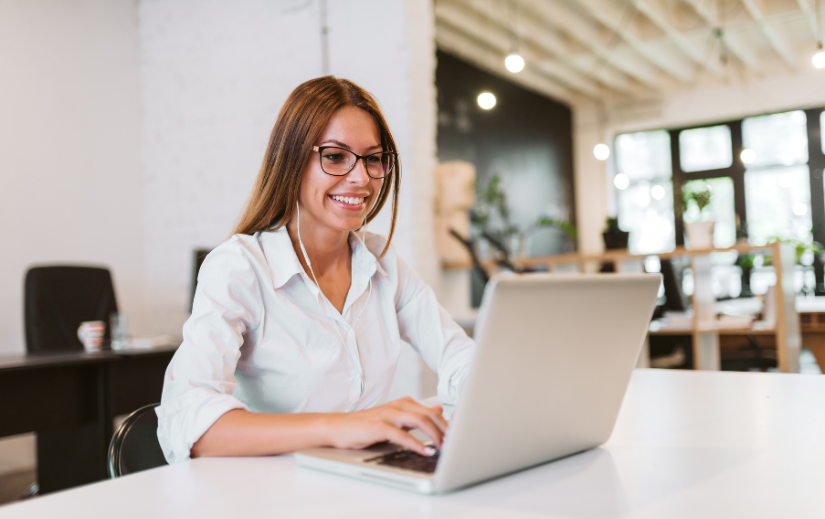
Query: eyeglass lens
x=336 y=161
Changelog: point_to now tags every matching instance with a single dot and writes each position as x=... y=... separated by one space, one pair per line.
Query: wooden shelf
x=607 y=256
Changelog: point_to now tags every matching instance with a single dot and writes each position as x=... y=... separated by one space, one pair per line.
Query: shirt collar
x=284 y=263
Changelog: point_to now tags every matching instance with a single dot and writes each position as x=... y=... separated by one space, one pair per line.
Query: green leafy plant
x=611 y=224
x=492 y=216
x=800 y=247
x=700 y=197
x=568 y=228
x=493 y=199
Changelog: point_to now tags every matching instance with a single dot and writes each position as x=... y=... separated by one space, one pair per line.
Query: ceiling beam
x=550 y=42
x=497 y=39
x=652 y=14
x=612 y=19
x=776 y=43
x=809 y=16
x=491 y=62
x=733 y=44
x=556 y=14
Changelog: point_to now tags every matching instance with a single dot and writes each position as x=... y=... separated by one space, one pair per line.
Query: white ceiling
x=624 y=50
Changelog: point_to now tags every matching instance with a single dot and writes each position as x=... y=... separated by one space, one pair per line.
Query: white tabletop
x=687 y=445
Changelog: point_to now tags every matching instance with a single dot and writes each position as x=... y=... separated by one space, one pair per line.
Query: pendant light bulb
x=601 y=151
x=514 y=63
x=819 y=57
x=486 y=100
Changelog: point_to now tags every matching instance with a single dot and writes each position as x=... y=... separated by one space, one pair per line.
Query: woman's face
x=341 y=203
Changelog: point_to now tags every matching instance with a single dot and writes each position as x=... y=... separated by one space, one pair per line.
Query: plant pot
x=746 y=283
x=700 y=234
x=615 y=239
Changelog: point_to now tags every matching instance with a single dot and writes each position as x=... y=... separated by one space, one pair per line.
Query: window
x=779 y=204
x=643 y=155
x=645 y=190
x=775 y=140
x=777 y=182
x=758 y=169
x=703 y=149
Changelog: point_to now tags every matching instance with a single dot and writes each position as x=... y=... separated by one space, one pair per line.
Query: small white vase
x=700 y=234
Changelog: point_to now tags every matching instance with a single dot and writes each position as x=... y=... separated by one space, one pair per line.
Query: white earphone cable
x=315 y=279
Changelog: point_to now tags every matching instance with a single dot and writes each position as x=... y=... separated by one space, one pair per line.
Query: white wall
x=590 y=178
x=214 y=74
x=69 y=148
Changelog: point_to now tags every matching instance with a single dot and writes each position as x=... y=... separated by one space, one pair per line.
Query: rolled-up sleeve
x=430 y=330
x=200 y=380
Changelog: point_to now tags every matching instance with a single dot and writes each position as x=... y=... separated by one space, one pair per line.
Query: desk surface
x=687 y=445
x=33 y=360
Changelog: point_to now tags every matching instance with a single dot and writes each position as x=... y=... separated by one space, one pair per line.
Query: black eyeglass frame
x=320 y=150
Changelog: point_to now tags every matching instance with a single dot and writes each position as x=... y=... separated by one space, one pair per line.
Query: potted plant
x=746 y=264
x=613 y=236
x=492 y=223
x=700 y=232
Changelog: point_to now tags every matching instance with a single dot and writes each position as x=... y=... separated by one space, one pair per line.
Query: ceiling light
x=819 y=59
x=601 y=152
x=748 y=156
x=486 y=100
x=514 y=63
x=621 y=181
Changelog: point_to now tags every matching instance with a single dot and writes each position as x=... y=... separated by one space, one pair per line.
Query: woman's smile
x=350 y=201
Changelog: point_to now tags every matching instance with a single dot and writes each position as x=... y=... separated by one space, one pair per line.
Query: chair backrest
x=134 y=446
x=198 y=257
x=672 y=279
x=59 y=298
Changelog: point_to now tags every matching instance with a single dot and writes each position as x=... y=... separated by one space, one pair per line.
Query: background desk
x=687 y=445
x=71 y=400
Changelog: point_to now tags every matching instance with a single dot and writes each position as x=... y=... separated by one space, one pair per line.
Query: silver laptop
x=555 y=354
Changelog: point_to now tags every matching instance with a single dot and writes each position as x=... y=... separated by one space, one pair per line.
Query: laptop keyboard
x=409 y=460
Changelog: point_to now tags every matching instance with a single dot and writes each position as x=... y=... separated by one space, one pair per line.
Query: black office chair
x=135 y=447
x=58 y=299
x=199 y=255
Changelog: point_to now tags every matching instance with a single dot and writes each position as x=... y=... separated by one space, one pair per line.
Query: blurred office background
x=131 y=132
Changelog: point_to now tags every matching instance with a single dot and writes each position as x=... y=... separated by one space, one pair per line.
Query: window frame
x=736 y=171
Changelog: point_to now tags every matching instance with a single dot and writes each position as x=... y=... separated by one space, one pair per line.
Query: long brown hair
x=303 y=117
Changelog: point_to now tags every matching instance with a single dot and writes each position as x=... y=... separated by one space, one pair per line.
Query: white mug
x=91 y=334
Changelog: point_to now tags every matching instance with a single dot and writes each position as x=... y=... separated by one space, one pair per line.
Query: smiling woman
x=309 y=115
x=298 y=319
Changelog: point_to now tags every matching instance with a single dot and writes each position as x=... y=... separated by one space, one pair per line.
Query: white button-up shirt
x=262 y=337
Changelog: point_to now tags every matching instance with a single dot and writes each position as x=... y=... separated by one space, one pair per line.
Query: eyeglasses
x=338 y=161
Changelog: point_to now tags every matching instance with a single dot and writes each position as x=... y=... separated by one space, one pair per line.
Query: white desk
x=687 y=445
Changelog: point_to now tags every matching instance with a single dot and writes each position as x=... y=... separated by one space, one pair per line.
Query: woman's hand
x=389 y=422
